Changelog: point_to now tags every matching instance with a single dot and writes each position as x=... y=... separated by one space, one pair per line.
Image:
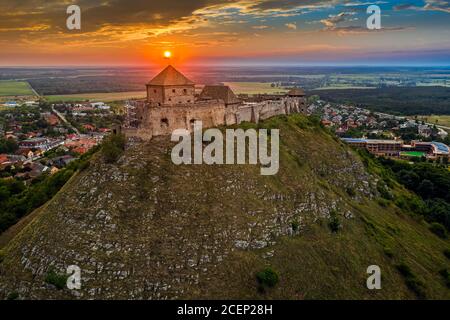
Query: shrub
x=447 y=253
x=12 y=295
x=350 y=191
x=295 y=226
x=439 y=230
x=334 y=224
x=58 y=280
x=388 y=252
x=84 y=165
x=113 y=147
x=384 y=191
x=446 y=276
x=267 y=278
x=383 y=202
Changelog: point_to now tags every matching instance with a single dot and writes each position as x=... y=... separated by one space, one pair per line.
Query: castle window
x=189 y=101
x=173 y=90
x=184 y=91
x=164 y=123
x=154 y=91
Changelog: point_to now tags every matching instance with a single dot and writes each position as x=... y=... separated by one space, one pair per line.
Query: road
x=65 y=120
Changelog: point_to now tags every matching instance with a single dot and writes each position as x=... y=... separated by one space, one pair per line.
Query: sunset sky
x=137 y=32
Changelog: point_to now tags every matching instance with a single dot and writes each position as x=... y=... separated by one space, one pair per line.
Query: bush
x=267 y=278
x=388 y=252
x=113 y=147
x=384 y=191
x=12 y=295
x=383 y=202
x=350 y=191
x=334 y=224
x=446 y=276
x=58 y=280
x=447 y=253
x=295 y=226
x=439 y=230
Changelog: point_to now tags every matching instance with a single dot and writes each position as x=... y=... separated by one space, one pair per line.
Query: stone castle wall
x=157 y=120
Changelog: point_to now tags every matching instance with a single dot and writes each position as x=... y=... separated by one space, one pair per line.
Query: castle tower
x=169 y=88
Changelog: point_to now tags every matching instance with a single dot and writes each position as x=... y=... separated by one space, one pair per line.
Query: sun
x=167 y=54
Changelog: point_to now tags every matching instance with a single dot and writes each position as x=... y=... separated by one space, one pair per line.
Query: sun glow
x=167 y=54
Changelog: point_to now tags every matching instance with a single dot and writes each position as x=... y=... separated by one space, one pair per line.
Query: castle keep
x=173 y=104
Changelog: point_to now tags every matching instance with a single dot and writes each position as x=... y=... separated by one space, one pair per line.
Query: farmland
x=15 y=88
x=254 y=88
x=105 y=97
x=443 y=120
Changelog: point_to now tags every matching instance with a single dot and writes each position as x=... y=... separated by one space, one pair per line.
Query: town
x=41 y=138
x=384 y=134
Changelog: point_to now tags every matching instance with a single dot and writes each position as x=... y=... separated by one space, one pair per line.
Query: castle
x=173 y=104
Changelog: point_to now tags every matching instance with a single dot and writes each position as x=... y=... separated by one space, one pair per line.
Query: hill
x=144 y=228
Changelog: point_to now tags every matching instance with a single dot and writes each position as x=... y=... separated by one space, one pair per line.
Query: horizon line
x=380 y=65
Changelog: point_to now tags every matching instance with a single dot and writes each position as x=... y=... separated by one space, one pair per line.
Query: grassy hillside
x=145 y=228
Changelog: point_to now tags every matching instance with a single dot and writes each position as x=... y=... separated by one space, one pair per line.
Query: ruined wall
x=254 y=112
x=163 y=120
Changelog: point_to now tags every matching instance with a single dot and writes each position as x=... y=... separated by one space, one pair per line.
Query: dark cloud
x=97 y=13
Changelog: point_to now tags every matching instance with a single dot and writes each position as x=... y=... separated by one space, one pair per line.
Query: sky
x=224 y=32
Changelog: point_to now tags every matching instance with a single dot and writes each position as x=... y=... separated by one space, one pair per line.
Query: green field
x=15 y=88
x=105 y=97
x=443 y=120
x=253 y=88
x=413 y=154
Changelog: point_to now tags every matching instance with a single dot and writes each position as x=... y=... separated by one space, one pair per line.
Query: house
x=34 y=143
x=89 y=127
x=3 y=158
x=80 y=150
x=326 y=123
x=424 y=130
x=26 y=152
x=61 y=161
x=53 y=170
x=52 y=119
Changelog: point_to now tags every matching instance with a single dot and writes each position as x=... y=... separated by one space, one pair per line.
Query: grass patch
x=15 y=88
x=105 y=97
x=411 y=280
